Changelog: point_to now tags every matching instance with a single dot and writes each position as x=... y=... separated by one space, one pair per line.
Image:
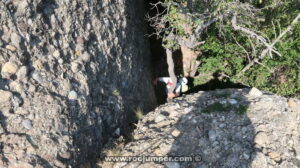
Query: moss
x=242 y=109
x=116 y=92
x=219 y=107
x=222 y=95
x=296 y=162
x=216 y=107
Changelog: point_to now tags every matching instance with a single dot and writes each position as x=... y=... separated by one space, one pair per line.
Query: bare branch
x=289 y=28
x=265 y=51
x=251 y=33
x=243 y=48
x=248 y=66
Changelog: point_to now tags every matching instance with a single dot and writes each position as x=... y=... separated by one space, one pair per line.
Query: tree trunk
x=171 y=70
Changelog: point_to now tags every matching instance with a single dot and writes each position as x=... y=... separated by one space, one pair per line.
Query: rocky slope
x=222 y=128
x=68 y=72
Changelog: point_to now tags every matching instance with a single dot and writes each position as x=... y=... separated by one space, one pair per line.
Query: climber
x=181 y=86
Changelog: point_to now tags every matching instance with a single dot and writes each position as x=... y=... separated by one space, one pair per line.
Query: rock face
x=72 y=72
x=257 y=130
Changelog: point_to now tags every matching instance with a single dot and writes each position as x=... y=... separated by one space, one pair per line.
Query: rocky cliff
x=72 y=72
x=222 y=128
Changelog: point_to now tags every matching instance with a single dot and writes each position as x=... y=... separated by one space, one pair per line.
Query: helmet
x=183 y=81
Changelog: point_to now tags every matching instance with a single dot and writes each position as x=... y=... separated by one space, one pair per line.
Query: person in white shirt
x=181 y=86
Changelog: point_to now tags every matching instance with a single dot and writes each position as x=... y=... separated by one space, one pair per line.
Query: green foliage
x=242 y=109
x=280 y=75
x=170 y=44
x=201 y=80
x=296 y=162
x=218 y=56
x=215 y=107
x=228 y=51
x=284 y=79
x=219 y=107
x=222 y=95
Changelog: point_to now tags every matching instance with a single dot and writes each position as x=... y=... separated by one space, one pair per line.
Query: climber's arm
x=165 y=80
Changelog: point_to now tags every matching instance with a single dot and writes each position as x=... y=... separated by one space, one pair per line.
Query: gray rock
x=159 y=118
x=16 y=87
x=75 y=67
x=172 y=165
x=261 y=139
x=56 y=54
x=113 y=57
x=22 y=72
x=37 y=77
x=260 y=161
x=117 y=132
x=60 y=61
x=11 y=48
x=73 y=95
x=1 y=43
x=86 y=57
x=15 y=39
x=255 y=92
x=5 y=96
x=21 y=111
x=31 y=88
x=212 y=135
x=27 y=124
x=65 y=155
x=17 y=101
x=232 y=101
x=9 y=68
x=222 y=125
x=244 y=130
x=246 y=156
x=1 y=129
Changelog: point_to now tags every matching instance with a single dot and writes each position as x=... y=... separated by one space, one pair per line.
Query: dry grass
x=116 y=150
x=139 y=113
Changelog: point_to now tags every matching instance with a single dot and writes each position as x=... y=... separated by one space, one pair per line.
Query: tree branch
x=265 y=51
x=251 y=33
x=289 y=28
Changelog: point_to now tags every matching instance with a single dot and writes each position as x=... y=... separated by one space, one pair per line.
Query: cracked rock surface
x=68 y=69
x=221 y=128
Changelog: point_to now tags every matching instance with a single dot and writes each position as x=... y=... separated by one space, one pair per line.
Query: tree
x=184 y=23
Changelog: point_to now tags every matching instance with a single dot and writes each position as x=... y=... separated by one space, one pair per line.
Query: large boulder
x=72 y=72
x=222 y=128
